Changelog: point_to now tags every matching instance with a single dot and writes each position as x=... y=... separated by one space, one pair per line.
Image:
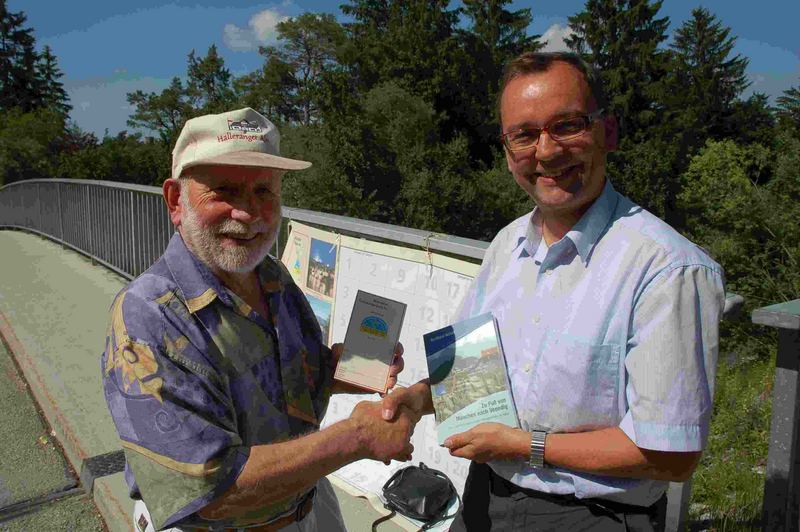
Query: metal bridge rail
x=126 y=228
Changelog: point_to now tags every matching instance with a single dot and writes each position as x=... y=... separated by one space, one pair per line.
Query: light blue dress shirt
x=614 y=325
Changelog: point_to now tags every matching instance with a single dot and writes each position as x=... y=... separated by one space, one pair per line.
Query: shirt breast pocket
x=576 y=386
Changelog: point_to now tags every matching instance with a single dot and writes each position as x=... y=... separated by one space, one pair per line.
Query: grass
x=728 y=486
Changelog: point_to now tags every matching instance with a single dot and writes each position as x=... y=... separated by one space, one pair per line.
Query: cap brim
x=251 y=158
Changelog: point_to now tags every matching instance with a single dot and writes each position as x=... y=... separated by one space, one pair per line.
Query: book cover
x=369 y=342
x=468 y=376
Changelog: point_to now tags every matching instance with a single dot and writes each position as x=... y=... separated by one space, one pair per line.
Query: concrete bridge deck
x=53 y=316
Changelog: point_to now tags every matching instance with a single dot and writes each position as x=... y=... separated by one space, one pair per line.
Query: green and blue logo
x=375 y=326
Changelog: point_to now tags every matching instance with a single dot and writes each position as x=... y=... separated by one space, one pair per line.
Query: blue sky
x=107 y=49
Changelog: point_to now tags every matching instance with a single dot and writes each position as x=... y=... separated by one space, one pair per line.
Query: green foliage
x=294 y=73
x=29 y=144
x=748 y=227
x=622 y=39
x=705 y=80
x=728 y=485
x=51 y=90
x=789 y=106
x=164 y=113
x=208 y=83
x=28 y=80
x=125 y=158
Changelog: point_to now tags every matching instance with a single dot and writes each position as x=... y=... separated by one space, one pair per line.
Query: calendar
x=330 y=269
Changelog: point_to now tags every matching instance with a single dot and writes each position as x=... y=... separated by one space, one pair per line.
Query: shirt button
x=527 y=368
x=536 y=318
x=549 y=272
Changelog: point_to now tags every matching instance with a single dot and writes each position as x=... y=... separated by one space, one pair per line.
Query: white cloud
x=260 y=30
x=554 y=37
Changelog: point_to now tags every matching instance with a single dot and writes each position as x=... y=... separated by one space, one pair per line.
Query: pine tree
x=164 y=113
x=52 y=93
x=789 y=106
x=17 y=61
x=310 y=44
x=707 y=79
x=209 y=82
x=622 y=38
x=495 y=36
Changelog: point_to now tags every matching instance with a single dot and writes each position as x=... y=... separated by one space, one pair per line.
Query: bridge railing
x=126 y=228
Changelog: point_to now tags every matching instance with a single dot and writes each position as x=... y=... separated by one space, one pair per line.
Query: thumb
x=390 y=404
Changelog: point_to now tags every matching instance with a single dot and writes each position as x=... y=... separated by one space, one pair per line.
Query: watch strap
x=536 y=459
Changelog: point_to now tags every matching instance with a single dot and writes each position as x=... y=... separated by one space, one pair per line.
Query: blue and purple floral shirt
x=194 y=378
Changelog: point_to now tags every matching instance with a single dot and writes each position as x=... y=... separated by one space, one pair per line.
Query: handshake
x=383 y=428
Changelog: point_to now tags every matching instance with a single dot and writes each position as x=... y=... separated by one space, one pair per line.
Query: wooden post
x=780 y=510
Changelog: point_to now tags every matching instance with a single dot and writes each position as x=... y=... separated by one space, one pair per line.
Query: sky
x=108 y=49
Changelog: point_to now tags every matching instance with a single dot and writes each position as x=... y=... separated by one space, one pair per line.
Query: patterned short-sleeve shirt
x=194 y=378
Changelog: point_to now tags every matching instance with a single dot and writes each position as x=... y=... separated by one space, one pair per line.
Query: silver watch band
x=536 y=459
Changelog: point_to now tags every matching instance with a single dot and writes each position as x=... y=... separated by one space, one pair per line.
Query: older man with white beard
x=215 y=371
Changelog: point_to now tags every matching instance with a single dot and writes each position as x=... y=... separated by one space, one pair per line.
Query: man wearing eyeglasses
x=609 y=323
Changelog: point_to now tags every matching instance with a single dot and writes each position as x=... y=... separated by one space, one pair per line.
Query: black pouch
x=421 y=493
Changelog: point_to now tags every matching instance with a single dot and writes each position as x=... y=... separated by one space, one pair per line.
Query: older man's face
x=230 y=215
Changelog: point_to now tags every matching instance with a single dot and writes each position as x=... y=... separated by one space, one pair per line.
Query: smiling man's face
x=563 y=178
x=230 y=215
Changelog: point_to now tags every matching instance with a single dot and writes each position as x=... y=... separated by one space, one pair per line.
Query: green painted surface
x=789 y=307
x=31 y=465
x=72 y=514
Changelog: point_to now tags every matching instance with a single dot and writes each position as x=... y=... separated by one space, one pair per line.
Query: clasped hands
x=378 y=438
x=482 y=443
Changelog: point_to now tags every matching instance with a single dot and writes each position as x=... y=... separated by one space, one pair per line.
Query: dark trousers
x=491 y=502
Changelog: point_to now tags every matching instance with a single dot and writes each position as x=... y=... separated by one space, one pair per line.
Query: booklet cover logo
x=375 y=326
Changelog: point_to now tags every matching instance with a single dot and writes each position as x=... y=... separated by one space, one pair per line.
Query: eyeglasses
x=559 y=130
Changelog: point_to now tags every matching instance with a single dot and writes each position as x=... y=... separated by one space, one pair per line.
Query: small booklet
x=468 y=376
x=370 y=340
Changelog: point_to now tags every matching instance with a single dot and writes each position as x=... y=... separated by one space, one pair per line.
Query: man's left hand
x=394 y=370
x=490 y=441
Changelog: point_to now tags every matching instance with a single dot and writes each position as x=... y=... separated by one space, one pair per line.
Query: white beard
x=206 y=242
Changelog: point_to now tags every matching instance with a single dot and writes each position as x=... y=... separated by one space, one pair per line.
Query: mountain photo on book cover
x=469 y=383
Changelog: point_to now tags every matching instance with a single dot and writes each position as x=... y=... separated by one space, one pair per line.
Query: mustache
x=237 y=228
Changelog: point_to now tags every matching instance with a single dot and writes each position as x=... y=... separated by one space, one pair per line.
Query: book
x=468 y=376
x=372 y=334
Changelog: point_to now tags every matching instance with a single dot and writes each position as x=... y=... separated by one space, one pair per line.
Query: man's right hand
x=384 y=440
x=416 y=398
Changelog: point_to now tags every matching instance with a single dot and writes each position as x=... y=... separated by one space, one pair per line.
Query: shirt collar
x=200 y=286
x=592 y=224
x=584 y=234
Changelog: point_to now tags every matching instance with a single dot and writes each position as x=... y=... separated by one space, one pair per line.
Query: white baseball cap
x=236 y=138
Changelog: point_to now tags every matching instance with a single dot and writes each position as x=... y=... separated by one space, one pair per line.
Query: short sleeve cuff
x=661 y=437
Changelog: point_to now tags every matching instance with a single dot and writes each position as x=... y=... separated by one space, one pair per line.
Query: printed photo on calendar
x=321 y=267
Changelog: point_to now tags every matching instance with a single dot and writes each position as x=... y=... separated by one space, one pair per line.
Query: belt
x=299 y=513
x=503 y=487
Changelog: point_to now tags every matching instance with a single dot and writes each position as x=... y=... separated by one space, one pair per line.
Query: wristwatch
x=536 y=459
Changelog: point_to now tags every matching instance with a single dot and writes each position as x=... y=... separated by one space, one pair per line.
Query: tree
x=707 y=80
x=310 y=45
x=29 y=143
x=52 y=93
x=410 y=42
x=622 y=38
x=269 y=90
x=17 y=62
x=495 y=36
x=209 y=82
x=789 y=106
x=164 y=113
